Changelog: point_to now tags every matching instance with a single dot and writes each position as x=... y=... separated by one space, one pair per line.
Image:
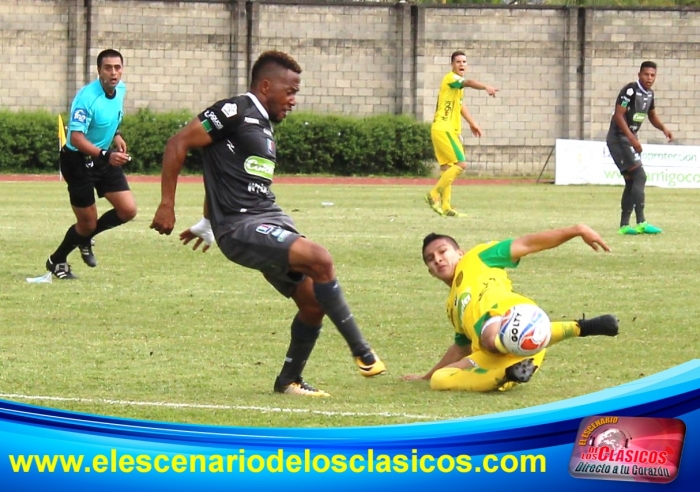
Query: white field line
x=243 y=408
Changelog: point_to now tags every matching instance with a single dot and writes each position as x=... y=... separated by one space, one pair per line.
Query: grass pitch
x=160 y=332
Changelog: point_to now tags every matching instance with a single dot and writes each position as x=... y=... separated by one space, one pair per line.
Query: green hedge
x=306 y=143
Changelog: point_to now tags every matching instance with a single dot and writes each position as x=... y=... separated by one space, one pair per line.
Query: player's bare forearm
x=453 y=354
x=480 y=86
x=173 y=160
x=540 y=241
x=656 y=122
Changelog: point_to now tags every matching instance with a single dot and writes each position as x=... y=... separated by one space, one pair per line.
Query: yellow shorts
x=491 y=367
x=448 y=146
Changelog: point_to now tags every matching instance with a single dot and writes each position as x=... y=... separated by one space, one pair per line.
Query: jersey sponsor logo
x=80 y=116
x=259 y=166
x=258 y=188
x=639 y=117
x=230 y=146
x=265 y=229
x=230 y=109
x=462 y=304
x=267 y=132
x=252 y=121
x=212 y=117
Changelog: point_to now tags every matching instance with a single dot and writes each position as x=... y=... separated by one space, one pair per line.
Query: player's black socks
x=639 y=181
x=70 y=241
x=627 y=204
x=300 y=347
x=330 y=296
x=109 y=220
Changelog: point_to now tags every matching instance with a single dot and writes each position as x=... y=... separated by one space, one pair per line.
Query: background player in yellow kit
x=481 y=300
x=446 y=132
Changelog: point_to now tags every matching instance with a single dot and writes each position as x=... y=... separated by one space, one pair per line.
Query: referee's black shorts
x=85 y=176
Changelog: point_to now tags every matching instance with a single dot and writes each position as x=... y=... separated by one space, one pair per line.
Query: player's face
x=282 y=95
x=647 y=77
x=459 y=65
x=441 y=257
x=110 y=72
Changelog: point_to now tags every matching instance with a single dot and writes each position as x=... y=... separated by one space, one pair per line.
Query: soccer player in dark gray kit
x=634 y=102
x=239 y=159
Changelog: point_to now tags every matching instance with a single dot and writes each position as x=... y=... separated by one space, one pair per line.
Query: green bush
x=341 y=145
x=306 y=143
x=28 y=141
x=146 y=134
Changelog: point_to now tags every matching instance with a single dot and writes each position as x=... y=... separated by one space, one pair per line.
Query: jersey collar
x=641 y=88
x=257 y=103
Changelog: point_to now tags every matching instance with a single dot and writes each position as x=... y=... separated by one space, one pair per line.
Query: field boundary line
x=200 y=406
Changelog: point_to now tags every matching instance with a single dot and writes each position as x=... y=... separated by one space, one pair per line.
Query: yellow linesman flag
x=61 y=133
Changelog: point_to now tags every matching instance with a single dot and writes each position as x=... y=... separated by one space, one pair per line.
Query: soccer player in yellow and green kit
x=446 y=132
x=482 y=300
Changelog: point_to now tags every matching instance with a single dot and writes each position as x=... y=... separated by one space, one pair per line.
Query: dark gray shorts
x=262 y=243
x=623 y=154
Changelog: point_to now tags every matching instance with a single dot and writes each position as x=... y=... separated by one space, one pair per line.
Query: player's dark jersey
x=638 y=102
x=240 y=163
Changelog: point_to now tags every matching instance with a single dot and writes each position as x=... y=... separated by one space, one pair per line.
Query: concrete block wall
x=176 y=56
x=34 y=54
x=350 y=54
x=558 y=69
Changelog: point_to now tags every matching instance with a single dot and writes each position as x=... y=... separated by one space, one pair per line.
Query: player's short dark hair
x=456 y=54
x=647 y=64
x=272 y=59
x=427 y=240
x=110 y=53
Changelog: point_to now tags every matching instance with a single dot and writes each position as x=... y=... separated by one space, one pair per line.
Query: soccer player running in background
x=446 y=132
x=634 y=102
x=88 y=163
x=239 y=160
x=482 y=305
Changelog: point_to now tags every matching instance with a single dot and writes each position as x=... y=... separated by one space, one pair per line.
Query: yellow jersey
x=448 y=112
x=480 y=290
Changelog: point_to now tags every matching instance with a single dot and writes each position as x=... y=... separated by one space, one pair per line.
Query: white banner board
x=588 y=162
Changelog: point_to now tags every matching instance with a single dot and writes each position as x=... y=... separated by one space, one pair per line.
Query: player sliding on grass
x=239 y=161
x=500 y=336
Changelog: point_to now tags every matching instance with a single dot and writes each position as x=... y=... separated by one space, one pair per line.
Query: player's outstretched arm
x=480 y=86
x=540 y=241
x=193 y=135
x=453 y=354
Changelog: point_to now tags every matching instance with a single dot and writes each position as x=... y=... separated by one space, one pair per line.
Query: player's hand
x=119 y=143
x=164 y=219
x=636 y=145
x=491 y=91
x=593 y=239
x=668 y=135
x=202 y=231
x=476 y=131
x=413 y=377
x=118 y=159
